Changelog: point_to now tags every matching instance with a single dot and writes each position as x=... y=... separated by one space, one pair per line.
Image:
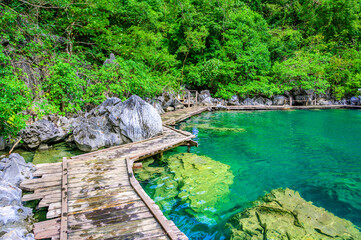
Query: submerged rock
x=283 y=214
x=14 y=169
x=42 y=131
x=200 y=182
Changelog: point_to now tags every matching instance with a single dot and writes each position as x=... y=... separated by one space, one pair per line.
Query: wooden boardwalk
x=95 y=195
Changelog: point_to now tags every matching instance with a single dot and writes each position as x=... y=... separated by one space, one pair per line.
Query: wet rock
x=2 y=143
x=44 y=146
x=42 y=131
x=234 y=101
x=14 y=169
x=279 y=100
x=15 y=219
x=283 y=214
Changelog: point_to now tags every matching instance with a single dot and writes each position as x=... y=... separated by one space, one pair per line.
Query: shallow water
x=316 y=152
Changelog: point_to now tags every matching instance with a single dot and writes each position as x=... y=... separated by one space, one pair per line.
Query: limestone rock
x=234 y=101
x=110 y=60
x=279 y=100
x=283 y=214
x=138 y=120
x=15 y=219
x=42 y=131
x=355 y=101
x=14 y=169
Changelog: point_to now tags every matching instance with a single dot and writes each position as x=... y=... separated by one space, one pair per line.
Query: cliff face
x=283 y=214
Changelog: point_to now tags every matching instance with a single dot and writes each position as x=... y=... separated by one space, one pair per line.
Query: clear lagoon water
x=315 y=152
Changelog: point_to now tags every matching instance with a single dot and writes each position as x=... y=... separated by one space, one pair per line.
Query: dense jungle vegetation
x=52 y=51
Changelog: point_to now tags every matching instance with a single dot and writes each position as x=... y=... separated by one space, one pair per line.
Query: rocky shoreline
x=115 y=122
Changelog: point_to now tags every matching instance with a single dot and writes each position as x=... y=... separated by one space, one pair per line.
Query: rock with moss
x=203 y=183
x=284 y=214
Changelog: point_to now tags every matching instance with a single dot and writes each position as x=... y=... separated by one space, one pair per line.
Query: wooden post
x=197 y=97
x=290 y=101
x=189 y=98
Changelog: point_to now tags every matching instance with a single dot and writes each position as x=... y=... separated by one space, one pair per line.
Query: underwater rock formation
x=283 y=214
x=199 y=181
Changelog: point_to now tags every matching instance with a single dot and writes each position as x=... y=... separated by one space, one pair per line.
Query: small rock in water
x=283 y=214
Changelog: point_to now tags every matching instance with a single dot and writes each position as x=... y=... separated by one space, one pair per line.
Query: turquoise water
x=315 y=152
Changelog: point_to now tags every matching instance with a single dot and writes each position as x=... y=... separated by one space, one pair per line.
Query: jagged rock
x=110 y=60
x=177 y=104
x=114 y=123
x=259 y=101
x=203 y=95
x=14 y=169
x=2 y=143
x=138 y=120
x=283 y=214
x=355 y=101
x=279 y=100
x=42 y=131
x=268 y=102
x=247 y=102
x=15 y=219
x=158 y=106
x=234 y=101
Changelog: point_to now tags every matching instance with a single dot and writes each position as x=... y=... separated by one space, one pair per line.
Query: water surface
x=315 y=152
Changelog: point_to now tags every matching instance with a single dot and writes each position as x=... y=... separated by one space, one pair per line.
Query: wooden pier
x=95 y=195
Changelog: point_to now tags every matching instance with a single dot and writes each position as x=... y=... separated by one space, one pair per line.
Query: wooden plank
x=156 y=212
x=34 y=196
x=64 y=202
x=47 y=229
x=33 y=186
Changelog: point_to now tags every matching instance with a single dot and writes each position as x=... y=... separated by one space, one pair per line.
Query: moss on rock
x=283 y=214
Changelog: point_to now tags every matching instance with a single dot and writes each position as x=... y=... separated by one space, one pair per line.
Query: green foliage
x=13 y=98
x=243 y=47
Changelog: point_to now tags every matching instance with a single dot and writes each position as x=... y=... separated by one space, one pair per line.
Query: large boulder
x=248 y=102
x=279 y=100
x=205 y=98
x=15 y=219
x=113 y=123
x=14 y=169
x=283 y=214
x=259 y=101
x=137 y=120
x=42 y=131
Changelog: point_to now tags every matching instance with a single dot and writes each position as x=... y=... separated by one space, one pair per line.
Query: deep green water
x=316 y=152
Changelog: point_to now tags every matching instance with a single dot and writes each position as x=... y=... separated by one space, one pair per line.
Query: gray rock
x=157 y=105
x=177 y=104
x=44 y=146
x=15 y=219
x=279 y=100
x=343 y=101
x=203 y=95
x=110 y=60
x=169 y=109
x=2 y=143
x=14 y=169
x=268 y=102
x=234 y=101
x=138 y=120
x=42 y=131
x=207 y=101
x=259 y=101
x=248 y=102
x=114 y=123
x=355 y=101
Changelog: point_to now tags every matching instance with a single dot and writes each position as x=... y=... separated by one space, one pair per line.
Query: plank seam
x=64 y=202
